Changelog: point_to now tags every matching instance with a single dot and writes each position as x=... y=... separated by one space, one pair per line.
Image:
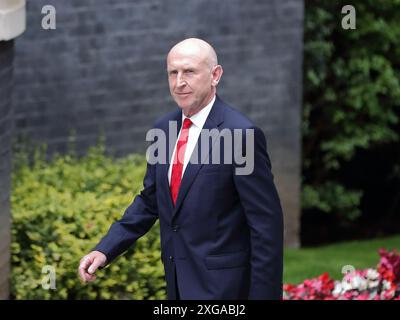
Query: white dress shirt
x=198 y=121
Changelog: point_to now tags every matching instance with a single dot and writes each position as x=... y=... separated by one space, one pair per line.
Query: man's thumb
x=94 y=266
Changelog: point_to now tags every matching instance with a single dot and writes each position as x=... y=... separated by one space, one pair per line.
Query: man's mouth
x=183 y=94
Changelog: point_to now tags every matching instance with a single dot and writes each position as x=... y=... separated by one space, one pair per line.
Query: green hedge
x=61 y=209
x=351 y=104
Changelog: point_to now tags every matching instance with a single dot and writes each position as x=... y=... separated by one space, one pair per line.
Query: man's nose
x=180 y=81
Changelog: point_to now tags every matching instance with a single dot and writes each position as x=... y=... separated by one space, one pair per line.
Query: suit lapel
x=171 y=138
x=214 y=119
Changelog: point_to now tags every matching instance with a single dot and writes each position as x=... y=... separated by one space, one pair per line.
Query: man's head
x=193 y=74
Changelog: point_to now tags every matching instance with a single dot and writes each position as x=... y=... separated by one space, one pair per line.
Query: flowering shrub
x=382 y=283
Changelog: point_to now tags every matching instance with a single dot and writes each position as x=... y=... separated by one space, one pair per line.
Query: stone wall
x=103 y=69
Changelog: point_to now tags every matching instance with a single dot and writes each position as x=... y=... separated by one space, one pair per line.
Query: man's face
x=190 y=81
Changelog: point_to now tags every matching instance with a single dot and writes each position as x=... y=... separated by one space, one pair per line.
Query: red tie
x=177 y=167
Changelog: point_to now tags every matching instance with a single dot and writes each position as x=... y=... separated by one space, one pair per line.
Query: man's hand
x=89 y=264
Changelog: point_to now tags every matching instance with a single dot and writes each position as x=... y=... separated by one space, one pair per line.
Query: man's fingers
x=82 y=274
x=83 y=266
x=86 y=261
x=89 y=264
x=86 y=276
x=90 y=277
x=96 y=263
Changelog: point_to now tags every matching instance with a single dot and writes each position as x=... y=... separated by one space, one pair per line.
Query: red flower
x=389 y=265
x=322 y=287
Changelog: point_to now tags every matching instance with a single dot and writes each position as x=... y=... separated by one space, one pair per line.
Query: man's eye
x=189 y=71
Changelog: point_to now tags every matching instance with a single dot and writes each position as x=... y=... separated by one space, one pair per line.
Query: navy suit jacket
x=224 y=237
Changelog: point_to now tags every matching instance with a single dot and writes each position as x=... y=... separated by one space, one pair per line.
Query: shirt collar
x=200 y=117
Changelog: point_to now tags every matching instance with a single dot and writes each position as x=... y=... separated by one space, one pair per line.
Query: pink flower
x=368 y=284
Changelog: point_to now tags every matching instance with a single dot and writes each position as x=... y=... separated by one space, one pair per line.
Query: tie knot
x=186 y=123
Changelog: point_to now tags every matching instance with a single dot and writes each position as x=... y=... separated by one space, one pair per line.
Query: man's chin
x=183 y=105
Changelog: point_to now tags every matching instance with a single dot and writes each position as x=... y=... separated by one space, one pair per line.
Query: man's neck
x=193 y=112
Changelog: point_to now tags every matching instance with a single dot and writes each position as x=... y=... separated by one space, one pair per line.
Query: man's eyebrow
x=183 y=68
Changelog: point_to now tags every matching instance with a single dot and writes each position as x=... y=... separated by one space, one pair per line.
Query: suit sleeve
x=264 y=216
x=137 y=219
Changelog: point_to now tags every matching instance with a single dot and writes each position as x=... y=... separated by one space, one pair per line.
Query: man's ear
x=216 y=75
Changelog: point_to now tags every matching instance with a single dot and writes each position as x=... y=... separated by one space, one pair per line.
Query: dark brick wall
x=104 y=67
x=6 y=126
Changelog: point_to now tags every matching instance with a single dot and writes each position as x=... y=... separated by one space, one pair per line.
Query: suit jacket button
x=171 y=258
x=175 y=228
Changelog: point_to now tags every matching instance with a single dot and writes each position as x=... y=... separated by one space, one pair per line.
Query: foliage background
x=60 y=209
x=351 y=111
x=351 y=167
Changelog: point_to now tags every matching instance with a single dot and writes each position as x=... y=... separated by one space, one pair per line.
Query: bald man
x=221 y=226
